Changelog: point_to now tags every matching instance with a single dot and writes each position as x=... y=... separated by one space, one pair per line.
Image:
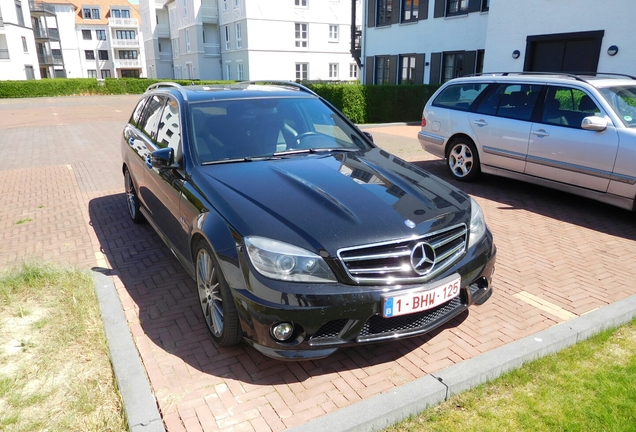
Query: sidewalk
x=559 y=257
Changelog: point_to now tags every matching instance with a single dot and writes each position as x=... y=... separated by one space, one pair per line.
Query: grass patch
x=590 y=386
x=55 y=371
x=21 y=221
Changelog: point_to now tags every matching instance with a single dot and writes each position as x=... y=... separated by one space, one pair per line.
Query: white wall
x=14 y=67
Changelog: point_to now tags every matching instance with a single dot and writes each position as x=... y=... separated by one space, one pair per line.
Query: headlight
x=477 y=223
x=278 y=260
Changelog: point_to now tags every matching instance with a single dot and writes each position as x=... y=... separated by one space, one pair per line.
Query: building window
x=89 y=54
x=225 y=6
x=227 y=38
x=120 y=13
x=333 y=33
x=485 y=5
x=128 y=54
x=453 y=66
x=239 y=41
x=353 y=70
x=382 y=67
x=175 y=47
x=86 y=35
x=410 y=10
x=300 y=3
x=102 y=54
x=407 y=69
x=457 y=7
x=25 y=47
x=333 y=70
x=302 y=71
x=125 y=34
x=228 y=71
x=239 y=71
x=105 y=73
x=100 y=34
x=91 y=13
x=301 y=35
x=236 y=3
x=92 y=73
x=185 y=8
x=130 y=73
x=384 y=10
x=18 y=11
x=187 y=37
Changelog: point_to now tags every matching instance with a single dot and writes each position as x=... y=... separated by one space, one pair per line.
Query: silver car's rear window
x=459 y=96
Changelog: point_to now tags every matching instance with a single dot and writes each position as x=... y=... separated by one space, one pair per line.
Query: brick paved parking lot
x=61 y=199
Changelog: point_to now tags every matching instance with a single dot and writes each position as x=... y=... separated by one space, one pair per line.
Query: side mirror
x=593 y=123
x=368 y=135
x=162 y=158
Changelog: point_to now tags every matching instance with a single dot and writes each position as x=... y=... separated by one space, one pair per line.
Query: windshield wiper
x=315 y=150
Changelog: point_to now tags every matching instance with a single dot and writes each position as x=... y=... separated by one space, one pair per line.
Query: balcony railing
x=43 y=33
x=41 y=7
x=48 y=59
x=210 y=14
x=163 y=31
x=4 y=54
x=119 y=63
x=123 y=22
x=125 y=43
x=165 y=56
x=212 y=49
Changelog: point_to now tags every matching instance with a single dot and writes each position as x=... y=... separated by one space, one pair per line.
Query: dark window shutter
x=369 y=66
x=419 y=68
x=470 y=61
x=393 y=68
x=474 y=5
x=371 y=11
x=440 y=8
x=436 y=68
x=423 y=10
x=396 y=13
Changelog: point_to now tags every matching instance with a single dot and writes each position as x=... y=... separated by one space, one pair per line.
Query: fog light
x=283 y=331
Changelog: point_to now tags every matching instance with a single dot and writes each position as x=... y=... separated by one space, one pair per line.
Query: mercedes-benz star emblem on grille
x=423 y=258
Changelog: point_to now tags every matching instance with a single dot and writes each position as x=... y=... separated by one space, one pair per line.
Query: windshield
x=235 y=130
x=623 y=100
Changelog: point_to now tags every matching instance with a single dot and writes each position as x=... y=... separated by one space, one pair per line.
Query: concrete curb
x=139 y=403
x=395 y=405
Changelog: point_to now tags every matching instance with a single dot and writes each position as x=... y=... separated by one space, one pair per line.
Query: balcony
x=210 y=14
x=212 y=49
x=48 y=59
x=4 y=54
x=125 y=43
x=43 y=33
x=162 y=31
x=165 y=56
x=41 y=7
x=121 y=63
x=123 y=22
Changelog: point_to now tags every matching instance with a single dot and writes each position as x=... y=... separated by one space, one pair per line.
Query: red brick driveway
x=61 y=199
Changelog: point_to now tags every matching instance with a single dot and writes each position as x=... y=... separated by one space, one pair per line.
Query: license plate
x=417 y=301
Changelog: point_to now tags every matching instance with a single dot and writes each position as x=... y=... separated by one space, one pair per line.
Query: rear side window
x=515 y=101
x=459 y=96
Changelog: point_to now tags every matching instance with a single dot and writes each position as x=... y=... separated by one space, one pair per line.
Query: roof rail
x=574 y=75
x=165 y=84
x=282 y=83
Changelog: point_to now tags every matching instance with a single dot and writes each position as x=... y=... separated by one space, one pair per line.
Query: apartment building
x=18 y=55
x=432 y=41
x=249 y=39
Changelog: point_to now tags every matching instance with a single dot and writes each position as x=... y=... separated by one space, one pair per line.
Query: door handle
x=131 y=141
x=540 y=133
x=481 y=122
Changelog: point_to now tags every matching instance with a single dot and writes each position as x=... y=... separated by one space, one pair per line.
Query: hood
x=332 y=201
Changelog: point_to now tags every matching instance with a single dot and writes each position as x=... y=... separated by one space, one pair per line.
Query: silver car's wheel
x=463 y=160
x=132 y=200
x=216 y=299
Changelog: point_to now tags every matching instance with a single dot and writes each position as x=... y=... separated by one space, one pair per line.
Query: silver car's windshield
x=251 y=129
x=623 y=100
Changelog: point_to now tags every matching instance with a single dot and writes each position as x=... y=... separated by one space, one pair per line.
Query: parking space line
x=545 y=305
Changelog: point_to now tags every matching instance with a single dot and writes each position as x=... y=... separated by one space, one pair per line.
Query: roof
x=599 y=80
x=104 y=6
x=246 y=90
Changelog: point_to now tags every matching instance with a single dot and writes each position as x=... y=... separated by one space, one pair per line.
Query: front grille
x=330 y=330
x=390 y=262
x=378 y=328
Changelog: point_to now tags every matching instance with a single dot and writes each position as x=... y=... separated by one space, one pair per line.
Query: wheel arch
x=454 y=138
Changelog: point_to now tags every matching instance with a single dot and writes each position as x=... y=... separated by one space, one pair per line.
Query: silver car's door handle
x=131 y=141
x=540 y=133
x=481 y=122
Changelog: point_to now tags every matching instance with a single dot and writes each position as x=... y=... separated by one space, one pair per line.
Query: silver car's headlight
x=477 y=223
x=278 y=260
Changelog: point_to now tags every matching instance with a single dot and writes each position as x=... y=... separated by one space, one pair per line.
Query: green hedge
x=361 y=103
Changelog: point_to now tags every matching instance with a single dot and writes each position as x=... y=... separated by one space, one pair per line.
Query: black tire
x=215 y=298
x=462 y=160
x=132 y=200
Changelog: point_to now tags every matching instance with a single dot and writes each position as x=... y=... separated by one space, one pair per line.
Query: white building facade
x=18 y=55
x=431 y=41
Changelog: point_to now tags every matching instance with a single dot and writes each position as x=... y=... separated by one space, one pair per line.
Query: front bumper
x=329 y=317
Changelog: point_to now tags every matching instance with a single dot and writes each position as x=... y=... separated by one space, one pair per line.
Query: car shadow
x=517 y=195
x=170 y=315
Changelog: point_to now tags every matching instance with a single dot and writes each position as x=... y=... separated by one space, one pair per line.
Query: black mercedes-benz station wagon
x=302 y=235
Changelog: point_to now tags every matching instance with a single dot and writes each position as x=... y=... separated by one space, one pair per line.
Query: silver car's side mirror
x=594 y=123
